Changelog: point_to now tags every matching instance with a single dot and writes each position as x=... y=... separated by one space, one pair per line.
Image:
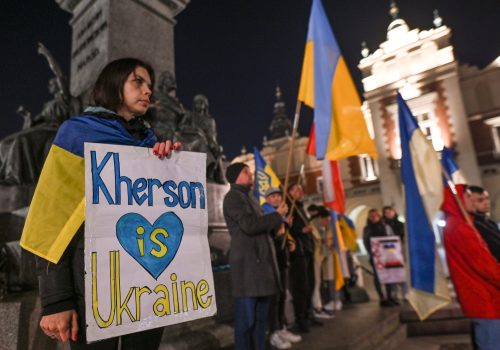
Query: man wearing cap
x=254 y=269
x=280 y=338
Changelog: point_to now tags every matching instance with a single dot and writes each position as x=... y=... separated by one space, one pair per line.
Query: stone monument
x=105 y=30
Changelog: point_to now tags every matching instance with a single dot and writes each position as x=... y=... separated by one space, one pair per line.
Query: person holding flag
x=472 y=244
x=254 y=269
x=281 y=337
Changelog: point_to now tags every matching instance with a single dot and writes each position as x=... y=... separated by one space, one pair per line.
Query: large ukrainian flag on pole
x=327 y=86
x=57 y=209
x=423 y=194
x=264 y=177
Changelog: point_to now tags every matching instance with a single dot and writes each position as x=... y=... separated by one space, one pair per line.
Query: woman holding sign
x=54 y=226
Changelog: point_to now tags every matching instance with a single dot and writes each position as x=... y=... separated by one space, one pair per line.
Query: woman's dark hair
x=108 y=88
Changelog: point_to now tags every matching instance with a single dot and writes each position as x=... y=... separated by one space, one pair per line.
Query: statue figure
x=22 y=154
x=197 y=132
x=167 y=111
x=26 y=115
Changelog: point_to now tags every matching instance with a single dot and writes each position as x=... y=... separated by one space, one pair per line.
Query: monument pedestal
x=106 y=30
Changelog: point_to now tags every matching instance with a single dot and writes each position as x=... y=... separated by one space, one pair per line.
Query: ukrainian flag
x=423 y=194
x=327 y=86
x=57 y=209
x=264 y=177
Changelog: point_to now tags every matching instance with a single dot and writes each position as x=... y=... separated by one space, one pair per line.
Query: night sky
x=236 y=51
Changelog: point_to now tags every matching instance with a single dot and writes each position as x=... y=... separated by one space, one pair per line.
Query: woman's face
x=136 y=94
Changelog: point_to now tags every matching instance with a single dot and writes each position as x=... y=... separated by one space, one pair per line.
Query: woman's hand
x=163 y=149
x=61 y=326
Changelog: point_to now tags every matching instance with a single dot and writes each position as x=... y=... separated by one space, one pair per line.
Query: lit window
x=494 y=124
x=368 y=167
x=428 y=125
x=319 y=184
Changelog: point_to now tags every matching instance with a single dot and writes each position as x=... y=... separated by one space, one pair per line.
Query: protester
x=281 y=337
x=301 y=262
x=474 y=271
x=391 y=219
x=254 y=269
x=375 y=227
x=487 y=228
x=323 y=263
x=121 y=95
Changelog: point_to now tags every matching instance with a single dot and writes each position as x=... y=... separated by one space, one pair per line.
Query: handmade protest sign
x=388 y=259
x=147 y=259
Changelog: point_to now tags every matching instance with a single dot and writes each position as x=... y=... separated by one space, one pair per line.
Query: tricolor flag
x=327 y=87
x=264 y=177
x=451 y=167
x=423 y=194
x=57 y=209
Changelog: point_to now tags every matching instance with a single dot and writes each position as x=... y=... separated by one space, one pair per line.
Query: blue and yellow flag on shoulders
x=327 y=87
x=57 y=209
x=264 y=177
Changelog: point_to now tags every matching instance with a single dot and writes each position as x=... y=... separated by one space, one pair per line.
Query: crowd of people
x=276 y=248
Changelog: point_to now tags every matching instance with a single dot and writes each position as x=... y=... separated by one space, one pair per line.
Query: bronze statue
x=167 y=111
x=197 y=132
x=22 y=154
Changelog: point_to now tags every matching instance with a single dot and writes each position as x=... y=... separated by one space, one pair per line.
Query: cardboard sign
x=147 y=259
x=388 y=259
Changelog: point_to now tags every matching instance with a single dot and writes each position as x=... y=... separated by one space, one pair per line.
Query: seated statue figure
x=167 y=111
x=23 y=153
x=197 y=132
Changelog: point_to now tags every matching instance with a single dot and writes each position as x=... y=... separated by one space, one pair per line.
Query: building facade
x=456 y=105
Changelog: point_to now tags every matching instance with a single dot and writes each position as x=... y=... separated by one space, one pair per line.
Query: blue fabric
x=74 y=132
x=260 y=170
x=448 y=160
x=268 y=208
x=250 y=322
x=486 y=333
x=347 y=220
x=326 y=56
x=421 y=241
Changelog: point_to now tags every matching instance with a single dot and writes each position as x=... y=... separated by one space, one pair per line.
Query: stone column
x=105 y=30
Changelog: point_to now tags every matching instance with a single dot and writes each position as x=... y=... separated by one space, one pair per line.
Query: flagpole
x=290 y=149
x=293 y=201
x=453 y=189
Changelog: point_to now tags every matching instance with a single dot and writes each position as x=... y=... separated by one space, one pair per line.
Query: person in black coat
x=254 y=268
x=375 y=227
x=301 y=263
x=487 y=228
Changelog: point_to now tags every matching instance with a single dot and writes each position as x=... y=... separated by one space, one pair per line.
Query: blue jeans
x=250 y=322
x=486 y=333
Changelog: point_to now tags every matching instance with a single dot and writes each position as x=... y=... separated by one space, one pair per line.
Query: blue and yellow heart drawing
x=153 y=246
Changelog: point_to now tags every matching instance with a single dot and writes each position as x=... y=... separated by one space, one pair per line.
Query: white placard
x=388 y=259
x=147 y=259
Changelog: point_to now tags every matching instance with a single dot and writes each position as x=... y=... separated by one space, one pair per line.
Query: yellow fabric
x=348 y=135
x=425 y=304
x=58 y=207
x=306 y=88
x=265 y=184
x=339 y=277
x=349 y=235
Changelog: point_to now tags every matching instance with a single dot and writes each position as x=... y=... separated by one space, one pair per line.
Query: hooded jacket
x=474 y=271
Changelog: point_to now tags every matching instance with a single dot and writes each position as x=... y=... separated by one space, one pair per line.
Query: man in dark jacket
x=301 y=262
x=254 y=269
x=487 y=228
